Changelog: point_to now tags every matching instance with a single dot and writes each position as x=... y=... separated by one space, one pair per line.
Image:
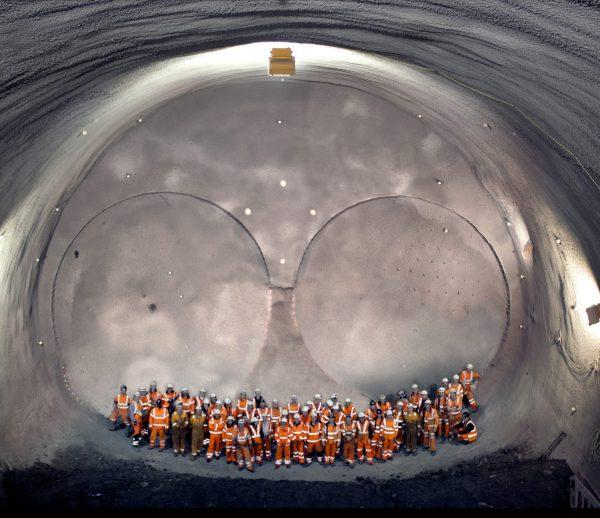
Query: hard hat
x=257 y=391
x=154 y=383
x=445 y=380
x=169 y=385
x=202 y=390
x=227 y=401
x=441 y=390
x=305 y=408
x=240 y=421
x=469 y=366
x=423 y=392
x=275 y=402
x=389 y=412
x=254 y=420
x=142 y=389
x=243 y=392
x=308 y=403
x=218 y=402
x=206 y=400
x=361 y=414
x=212 y=394
x=217 y=411
x=293 y=396
x=415 y=386
x=456 y=377
x=184 y=390
x=348 y=400
x=334 y=396
x=250 y=403
x=382 y=398
x=318 y=396
x=296 y=416
x=284 y=411
x=284 y=419
x=428 y=401
x=329 y=402
x=230 y=418
x=136 y=393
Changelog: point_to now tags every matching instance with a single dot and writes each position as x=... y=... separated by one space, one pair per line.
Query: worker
x=197 y=422
x=431 y=421
x=305 y=414
x=146 y=403
x=187 y=402
x=159 y=425
x=326 y=412
x=371 y=412
x=154 y=394
x=228 y=438
x=316 y=405
x=424 y=396
x=468 y=380
x=467 y=431
x=383 y=404
x=454 y=407
x=200 y=397
x=440 y=405
x=120 y=413
x=332 y=437
x=348 y=432
x=389 y=430
x=215 y=429
x=349 y=409
x=457 y=386
x=242 y=403
x=399 y=413
x=334 y=399
x=256 y=443
x=314 y=436
x=258 y=398
x=446 y=385
x=337 y=415
x=376 y=443
x=243 y=445
x=135 y=416
x=275 y=413
x=363 y=441
x=179 y=424
x=283 y=437
x=247 y=413
x=299 y=432
x=227 y=409
x=266 y=434
x=411 y=431
x=415 y=396
x=212 y=400
x=293 y=406
x=169 y=398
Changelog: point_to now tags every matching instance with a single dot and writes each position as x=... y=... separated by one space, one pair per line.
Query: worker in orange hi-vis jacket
x=120 y=412
x=457 y=386
x=348 y=432
x=187 y=402
x=467 y=431
x=283 y=437
x=349 y=409
x=293 y=406
x=242 y=403
x=228 y=439
x=415 y=395
x=332 y=436
x=326 y=412
x=256 y=449
x=276 y=415
x=227 y=408
x=314 y=437
x=454 y=406
x=159 y=425
x=383 y=404
x=431 y=422
x=299 y=432
x=243 y=445
x=146 y=403
x=398 y=413
x=468 y=379
x=305 y=414
x=317 y=406
x=135 y=415
x=440 y=404
x=363 y=441
x=215 y=430
x=389 y=429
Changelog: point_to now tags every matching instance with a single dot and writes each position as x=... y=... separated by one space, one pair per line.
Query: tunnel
x=422 y=193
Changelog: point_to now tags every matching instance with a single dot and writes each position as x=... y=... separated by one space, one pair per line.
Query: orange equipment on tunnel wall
x=281 y=62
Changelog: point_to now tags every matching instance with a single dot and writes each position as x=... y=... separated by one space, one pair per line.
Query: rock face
x=313 y=265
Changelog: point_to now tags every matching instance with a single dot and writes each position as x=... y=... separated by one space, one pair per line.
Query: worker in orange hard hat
x=120 y=412
x=468 y=380
x=467 y=431
x=159 y=425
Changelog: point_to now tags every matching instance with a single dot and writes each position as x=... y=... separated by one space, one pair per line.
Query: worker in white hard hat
x=293 y=406
x=316 y=405
x=349 y=409
x=468 y=380
x=283 y=437
x=136 y=418
x=363 y=439
x=457 y=385
x=299 y=433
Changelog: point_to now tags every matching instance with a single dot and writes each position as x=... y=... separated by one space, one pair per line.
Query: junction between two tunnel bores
x=352 y=229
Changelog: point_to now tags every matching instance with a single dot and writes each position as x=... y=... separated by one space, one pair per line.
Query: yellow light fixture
x=281 y=62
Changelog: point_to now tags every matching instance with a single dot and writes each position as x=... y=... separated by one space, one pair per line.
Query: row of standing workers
x=248 y=432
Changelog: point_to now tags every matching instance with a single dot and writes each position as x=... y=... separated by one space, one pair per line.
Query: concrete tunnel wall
x=520 y=173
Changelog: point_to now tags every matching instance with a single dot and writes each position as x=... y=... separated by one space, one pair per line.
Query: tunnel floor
x=84 y=477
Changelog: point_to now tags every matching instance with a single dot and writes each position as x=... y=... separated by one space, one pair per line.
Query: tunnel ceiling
x=477 y=136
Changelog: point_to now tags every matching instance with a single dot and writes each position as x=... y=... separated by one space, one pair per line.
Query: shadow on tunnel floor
x=80 y=477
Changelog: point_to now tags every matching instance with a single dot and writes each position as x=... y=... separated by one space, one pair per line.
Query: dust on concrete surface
x=80 y=477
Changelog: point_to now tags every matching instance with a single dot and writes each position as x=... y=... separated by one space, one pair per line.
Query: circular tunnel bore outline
x=84 y=227
x=302 y=263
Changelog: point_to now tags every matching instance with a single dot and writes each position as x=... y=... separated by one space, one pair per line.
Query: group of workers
x=248 y=432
